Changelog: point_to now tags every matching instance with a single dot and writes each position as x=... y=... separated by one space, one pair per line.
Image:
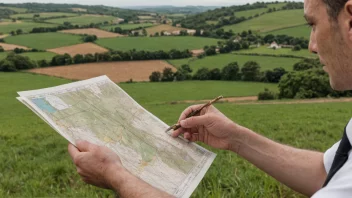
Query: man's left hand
x=96 y=165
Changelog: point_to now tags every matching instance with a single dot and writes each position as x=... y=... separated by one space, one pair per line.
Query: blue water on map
x=44 y=105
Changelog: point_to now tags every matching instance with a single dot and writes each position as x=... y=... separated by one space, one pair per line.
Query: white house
x=191 y=32
x=274 y=45
x=177 y=32
x=167 y=33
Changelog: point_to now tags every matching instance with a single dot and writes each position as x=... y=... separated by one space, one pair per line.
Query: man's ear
x=348 y=10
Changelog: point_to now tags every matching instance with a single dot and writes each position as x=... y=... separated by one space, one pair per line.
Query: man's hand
x=95 y=164
x=101 y=167
x=211 y=127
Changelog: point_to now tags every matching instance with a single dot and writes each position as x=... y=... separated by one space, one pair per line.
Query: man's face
x=332 y=41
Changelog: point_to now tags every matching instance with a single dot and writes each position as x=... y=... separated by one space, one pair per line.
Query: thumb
x=195 y=121
x=85 y=146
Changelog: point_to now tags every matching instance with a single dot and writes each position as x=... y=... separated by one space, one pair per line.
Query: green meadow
x=19 y=10
x=83 y=20
x=299 y=31
x=219 y=61
x=24 y=26
x=33 y=55
x=249 y=13
x=127 y=26
x=282 y=51
x=156 y=43
x=38 y=164
x=270 y=22
x=43 y=15
x=44 y=41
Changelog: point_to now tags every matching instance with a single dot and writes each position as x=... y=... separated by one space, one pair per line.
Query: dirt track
x=254 y=100
x=85 y=48
x=116 y=71
x=93 y=31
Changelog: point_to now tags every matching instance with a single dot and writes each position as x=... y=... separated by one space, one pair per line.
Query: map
x=99 y=111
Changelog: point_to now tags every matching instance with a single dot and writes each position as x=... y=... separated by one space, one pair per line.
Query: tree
x=230 y=72
x=209 y=51
x=19 y=31
x=313 y=83
x=245 y=45
x=215 y=74
x=275 y=75
x=12 y=33
x=202 y=74
x=266 y=95
x=168 y=75
x=7 y=66
x=186 y=68
x=307 y=64
x=77 y=59
x=43 y=63
x=1 y=49
x=155 y=77
x=250 y=71
x=144 y=31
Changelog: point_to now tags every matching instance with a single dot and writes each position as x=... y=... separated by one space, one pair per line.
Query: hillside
x=235 y=14
x=269 y=22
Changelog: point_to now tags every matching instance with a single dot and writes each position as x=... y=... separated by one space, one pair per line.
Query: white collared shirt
x=341 y=184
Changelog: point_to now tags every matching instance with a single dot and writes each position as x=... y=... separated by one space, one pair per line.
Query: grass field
x=156 y=93
x=156 y=43
x=220 y=61
x=43 y=15
x=127 y=26
x=44 y=40
x=33 y=55
x=25 y=26
x=253 y=12
x=282 y=51
x=162 y=27
x=38 y=165
x=299 y=31
x=83 y=20
x=270 y=22
x=19 y=10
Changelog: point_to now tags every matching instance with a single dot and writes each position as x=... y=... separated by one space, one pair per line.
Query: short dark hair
x=334 y=7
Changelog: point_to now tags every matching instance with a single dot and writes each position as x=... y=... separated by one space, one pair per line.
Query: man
x=303 y=171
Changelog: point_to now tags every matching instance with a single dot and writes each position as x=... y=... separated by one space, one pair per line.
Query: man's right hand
x=211 y=127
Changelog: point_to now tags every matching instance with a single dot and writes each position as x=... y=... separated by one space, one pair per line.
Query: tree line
x=15 y=62
x=231 y=72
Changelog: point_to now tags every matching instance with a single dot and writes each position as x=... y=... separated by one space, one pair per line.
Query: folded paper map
x=99 y=111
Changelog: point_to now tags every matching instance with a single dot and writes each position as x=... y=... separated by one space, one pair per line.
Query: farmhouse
x=274 y=45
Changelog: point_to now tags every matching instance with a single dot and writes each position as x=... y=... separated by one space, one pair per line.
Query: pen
x=193 y=113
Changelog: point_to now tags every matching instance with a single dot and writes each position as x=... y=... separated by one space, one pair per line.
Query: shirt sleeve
x=329 y=156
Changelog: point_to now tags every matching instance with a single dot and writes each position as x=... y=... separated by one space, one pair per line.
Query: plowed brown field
x=93 y=31
x=117 y=71
x=85 y=48
x=8 y=47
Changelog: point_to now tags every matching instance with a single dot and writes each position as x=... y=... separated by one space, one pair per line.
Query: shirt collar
x=349 y=131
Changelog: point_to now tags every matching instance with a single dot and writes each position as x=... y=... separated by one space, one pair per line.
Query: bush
x=155 y=77
x=89 y=38
x=267 y=95
x=296 y=48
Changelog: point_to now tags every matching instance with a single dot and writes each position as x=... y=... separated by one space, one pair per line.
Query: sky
x=125 y=3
